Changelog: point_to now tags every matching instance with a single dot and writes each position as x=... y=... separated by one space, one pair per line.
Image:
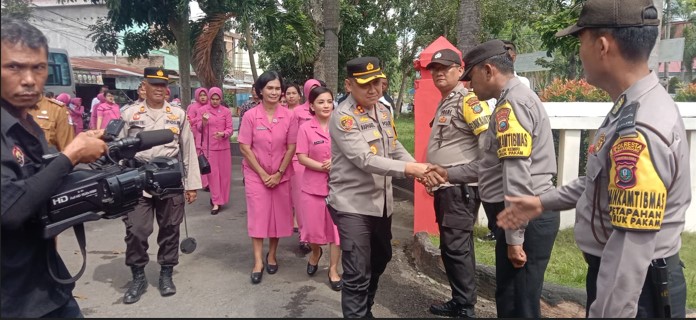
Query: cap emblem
x=369 y=67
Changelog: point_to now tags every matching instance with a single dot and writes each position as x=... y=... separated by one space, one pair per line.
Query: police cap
x=364 y=69
x=155 y=75
x=611 y=14
x=445 y=57
x=480 y=53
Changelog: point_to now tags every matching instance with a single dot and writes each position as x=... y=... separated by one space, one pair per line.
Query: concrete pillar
x=568 y=167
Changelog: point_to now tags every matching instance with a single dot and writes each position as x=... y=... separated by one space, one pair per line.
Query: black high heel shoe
x=215 y=211
x=271 y=268
x=335 y=285
x=256 y=276
x=312 y=269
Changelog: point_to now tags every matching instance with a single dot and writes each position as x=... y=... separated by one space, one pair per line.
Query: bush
x=687 y=93
x=674 y=83
x=573 y=90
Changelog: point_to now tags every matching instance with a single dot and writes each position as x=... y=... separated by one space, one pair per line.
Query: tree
x=469 y=25
x=147 y=25
x=18 y=9
x=331 y=25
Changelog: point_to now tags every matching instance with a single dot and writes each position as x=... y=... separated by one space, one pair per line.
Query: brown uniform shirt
x=54 y=119
x=139 y=117
x=631 y=205
x=365 y=155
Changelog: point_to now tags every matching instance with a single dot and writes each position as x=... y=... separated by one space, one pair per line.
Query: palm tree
x=330 y=52
x=468 y=24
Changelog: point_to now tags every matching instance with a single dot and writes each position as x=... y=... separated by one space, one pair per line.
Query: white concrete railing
x=572 y=117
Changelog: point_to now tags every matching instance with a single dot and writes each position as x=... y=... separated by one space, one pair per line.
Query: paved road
x=214 y=280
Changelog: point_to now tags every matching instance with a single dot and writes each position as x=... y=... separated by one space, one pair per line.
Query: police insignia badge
x=373 y=149
x=169 y=110
x=173 y=117
x=360 y=109
x=18 y=155
x=618 y=104
x=376 y=134
x=369 y=67
x=136 y=116
x=160 y=73
x=174 y=130
x=477 y=108
x=385 y=116
x=501 y=118
x=346 y=123
x=473 y=101
x=600 y=141
x=442 y=119
x=625 y=155
x=364 y=119
x=142 y=109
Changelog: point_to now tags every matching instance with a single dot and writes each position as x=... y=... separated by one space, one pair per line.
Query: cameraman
x=27 y=288
x=153 y=114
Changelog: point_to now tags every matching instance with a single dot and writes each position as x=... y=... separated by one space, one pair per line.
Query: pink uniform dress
x=93 y=115
x=192 y=112
x=108 y=111
x=217 y=150
x=317 y=226
x=76 y=110
x=303 y=115
x=269 y=211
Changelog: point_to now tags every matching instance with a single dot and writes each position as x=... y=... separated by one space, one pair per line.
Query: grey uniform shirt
x=365 y=155
x=519 y=159
x=455 y=135
x=139 y=117
x=638 y=182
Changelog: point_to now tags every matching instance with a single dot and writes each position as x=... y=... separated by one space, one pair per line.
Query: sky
x=196 y=12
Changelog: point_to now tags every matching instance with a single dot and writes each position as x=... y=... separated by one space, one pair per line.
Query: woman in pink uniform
x=267 y=140
x=303 y=115
x=76 y=110
x=107 y=111
x=314 y=152
x=215 y=126
x=93 y=114
x=193 y=114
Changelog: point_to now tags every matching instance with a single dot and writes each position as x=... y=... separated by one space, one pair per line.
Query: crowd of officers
x=499 y=155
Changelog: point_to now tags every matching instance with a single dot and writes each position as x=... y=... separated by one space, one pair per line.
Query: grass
x=405 y=127
x=568 y=268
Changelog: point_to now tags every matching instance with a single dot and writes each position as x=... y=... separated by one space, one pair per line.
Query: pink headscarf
x=76 y=101
x=196 y=97
x=64 y=98
x=308 y=85
x=76 y=110
x=217 y=91
x=101 y=98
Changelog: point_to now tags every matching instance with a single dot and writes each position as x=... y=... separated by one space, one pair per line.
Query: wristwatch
x=282 y=172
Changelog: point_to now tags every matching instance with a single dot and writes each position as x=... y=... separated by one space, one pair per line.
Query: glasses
x=435 y=70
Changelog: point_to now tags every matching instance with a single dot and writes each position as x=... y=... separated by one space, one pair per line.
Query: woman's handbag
x=203 y=163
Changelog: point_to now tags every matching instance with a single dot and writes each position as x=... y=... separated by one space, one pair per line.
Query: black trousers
x=366 y=250
x=518 y=290
x=455 y=212
x=139 y=226
x=646 y=302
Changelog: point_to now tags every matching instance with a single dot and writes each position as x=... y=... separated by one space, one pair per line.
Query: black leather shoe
x=271 y=268
x=256 y=277
x=137 y=287
x=335 y=285
x=166 y=285
x=452 y=309
x=215 y=211
x=312 y=269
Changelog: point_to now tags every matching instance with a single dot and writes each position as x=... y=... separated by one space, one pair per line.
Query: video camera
x=115 y=183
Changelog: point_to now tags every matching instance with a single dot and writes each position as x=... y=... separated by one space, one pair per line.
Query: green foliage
x=573 y=90
x=687 y=93
x=230 y=99
x=674 y=83
x=405 y=128
x=18 y=9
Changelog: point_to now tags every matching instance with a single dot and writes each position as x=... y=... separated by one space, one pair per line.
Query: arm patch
x=476 y=113
x=637 y=194
x=514 y=141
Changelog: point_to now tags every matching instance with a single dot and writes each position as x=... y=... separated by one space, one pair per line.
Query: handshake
x=430 y=175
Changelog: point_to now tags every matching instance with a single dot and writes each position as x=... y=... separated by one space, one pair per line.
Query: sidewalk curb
x=557 y=301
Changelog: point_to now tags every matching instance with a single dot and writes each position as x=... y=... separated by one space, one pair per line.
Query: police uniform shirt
x=365 y=155
x=139 y=117
x=27 y=288
x=54 y=119
x=519 y=158
x=638 y=182
x=456 y=132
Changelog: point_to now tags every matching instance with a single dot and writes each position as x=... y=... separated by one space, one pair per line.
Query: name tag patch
x=318 y=142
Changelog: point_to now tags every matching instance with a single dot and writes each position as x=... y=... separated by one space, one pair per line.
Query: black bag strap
x=52 y=258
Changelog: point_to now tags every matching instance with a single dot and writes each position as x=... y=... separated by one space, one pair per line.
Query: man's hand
x=415 y=169
x=435 y=175
x=517 y=256
x=86 y=147
x=519 y=211
x=190 y=196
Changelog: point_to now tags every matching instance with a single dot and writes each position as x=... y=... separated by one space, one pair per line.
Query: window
x=58 y=70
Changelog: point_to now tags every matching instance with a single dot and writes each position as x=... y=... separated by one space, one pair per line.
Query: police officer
x=55 y=121
x=630 y=207
x=153 y=114
x=457 y=127
x=518 y=159
x=28 y=290
x=365 y=155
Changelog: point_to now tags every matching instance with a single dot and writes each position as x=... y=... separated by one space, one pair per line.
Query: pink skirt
x=317 y=227
x=296 y=190
x=269 y=214
x=220 y=177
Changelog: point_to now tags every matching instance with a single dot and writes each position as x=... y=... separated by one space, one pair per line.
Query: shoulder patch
x=346 y=123
x=637 y=194
x=477 y=115
x=514 y=141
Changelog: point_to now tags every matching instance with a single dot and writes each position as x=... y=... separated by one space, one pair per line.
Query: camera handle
x=52 y=258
